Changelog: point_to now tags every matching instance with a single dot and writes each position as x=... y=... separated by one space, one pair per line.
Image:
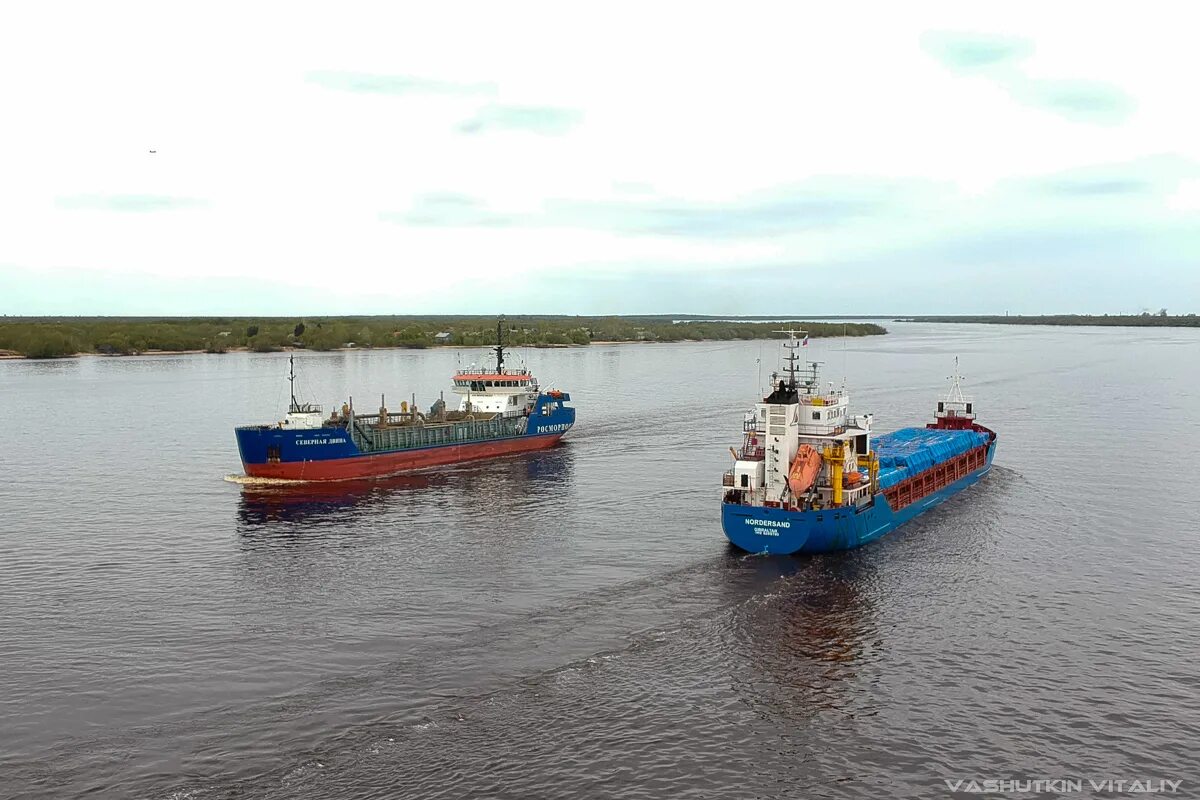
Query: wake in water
x=246 y=480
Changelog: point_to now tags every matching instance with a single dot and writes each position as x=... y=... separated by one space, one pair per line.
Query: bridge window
x=816 y=415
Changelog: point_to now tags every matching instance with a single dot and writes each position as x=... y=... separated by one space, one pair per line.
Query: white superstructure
x=501 y=391
x=799 y=412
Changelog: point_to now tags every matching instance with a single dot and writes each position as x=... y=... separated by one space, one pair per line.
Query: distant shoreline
x=1072 y=320
x=14 y=356
x=69 y=338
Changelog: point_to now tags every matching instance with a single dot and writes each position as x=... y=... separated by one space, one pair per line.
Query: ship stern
x=271 y=451
x=762 y=529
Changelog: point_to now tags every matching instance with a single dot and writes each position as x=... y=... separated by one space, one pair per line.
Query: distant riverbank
x=68 y=337
x=1117 y=320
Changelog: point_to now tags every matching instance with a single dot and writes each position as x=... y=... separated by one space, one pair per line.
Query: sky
x=605 y=158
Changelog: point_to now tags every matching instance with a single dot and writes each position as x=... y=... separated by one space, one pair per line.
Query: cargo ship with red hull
x=500 y=411
x=811 y=477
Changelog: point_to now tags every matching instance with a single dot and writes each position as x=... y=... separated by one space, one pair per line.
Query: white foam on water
x=246 y=480
x=187 y=794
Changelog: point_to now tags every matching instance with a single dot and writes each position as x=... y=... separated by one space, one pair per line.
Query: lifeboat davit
x=805 y=468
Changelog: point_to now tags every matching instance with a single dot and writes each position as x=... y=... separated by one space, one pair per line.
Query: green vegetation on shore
x=66 y=336
x=1143 y=320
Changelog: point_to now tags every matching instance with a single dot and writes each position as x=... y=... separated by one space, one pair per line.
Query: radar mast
x=499 y=348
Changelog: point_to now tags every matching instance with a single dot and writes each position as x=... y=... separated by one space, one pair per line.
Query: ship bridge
x=801 y=443
x=509 y=392
x=476 y=381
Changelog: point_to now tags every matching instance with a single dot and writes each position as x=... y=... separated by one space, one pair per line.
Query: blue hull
x=760 y=529
x=331 y=453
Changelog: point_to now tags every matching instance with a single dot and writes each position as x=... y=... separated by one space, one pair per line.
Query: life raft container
x=805 y=468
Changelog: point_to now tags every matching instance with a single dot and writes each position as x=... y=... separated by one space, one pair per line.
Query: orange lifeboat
x=805 y=468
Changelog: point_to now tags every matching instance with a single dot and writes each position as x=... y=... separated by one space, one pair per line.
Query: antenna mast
x=499 y=348
x=791 y=358
x=956 y=395
x=845 y=356
x=295 y=407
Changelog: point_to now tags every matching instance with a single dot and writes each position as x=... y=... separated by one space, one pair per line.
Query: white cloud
x=291 y=137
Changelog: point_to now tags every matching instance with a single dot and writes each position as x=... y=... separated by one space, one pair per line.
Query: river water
x=572 y=623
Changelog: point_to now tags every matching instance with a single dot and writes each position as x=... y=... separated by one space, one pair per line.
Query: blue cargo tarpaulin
x=908 y=451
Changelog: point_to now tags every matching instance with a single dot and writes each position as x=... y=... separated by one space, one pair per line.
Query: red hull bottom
x=381 y=464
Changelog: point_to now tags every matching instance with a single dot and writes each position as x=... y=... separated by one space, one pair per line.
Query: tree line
x=66 y=336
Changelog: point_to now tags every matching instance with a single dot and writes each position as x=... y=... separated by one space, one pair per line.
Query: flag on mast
x=804 y=343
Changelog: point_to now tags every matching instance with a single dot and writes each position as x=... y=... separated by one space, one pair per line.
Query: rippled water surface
x=571 y=623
